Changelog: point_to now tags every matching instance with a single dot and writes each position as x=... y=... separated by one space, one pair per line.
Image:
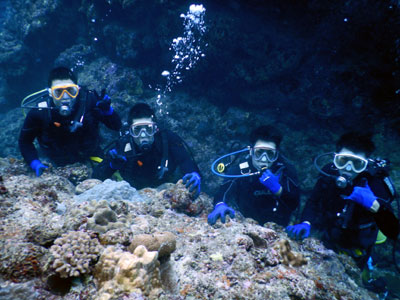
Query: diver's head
x=63 y=89
x=265 y=141
x=142 y=125
x=352 y=152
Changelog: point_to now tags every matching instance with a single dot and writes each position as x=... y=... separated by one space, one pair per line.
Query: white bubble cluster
x=188 y=49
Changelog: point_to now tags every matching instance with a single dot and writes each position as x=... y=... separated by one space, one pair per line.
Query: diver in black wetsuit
x=66 y=124
x=351 y=201
x=147 y=156
x=270 y=196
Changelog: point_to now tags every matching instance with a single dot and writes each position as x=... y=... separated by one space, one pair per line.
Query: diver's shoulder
x=37 y=114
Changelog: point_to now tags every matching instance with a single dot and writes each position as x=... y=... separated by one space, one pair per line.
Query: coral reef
x=239 y=259
x=74 y=253
x=119 y=272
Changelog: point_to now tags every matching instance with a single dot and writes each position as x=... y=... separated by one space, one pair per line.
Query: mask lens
x=270 y=154
x=358 y=164
x=148 y=129
x=72 y=91
x=58 y=91
x=340 y=161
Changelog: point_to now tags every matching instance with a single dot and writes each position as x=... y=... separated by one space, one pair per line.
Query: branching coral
x=74 y=252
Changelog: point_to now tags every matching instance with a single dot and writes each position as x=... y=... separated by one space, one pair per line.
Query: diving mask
x=264 y=154
x=140 y=129
x=58 y=92
x=350 y=162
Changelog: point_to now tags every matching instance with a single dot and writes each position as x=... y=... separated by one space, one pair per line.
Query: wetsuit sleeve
x=180 y=155
x=290 y=191
x=30 y=130
x=314 y=206
x=112 y=121
x=384 y=217
x=227 y=192
x=103 y=170
x=387 y=222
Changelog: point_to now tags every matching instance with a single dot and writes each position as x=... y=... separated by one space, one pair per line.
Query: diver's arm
x=387 y=222
x=384 y=217
x=226 y=192
x=111 y=118
x=103 y=170
x=290 y=194
x=314 y=205
x=112 y=121
x=30 y=130
x=180 y=154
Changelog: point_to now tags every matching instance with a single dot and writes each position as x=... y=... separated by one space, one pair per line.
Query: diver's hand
x=299 y=231
x=365 y=197
x=220 y=211
x=118 y=161
x=38 y=167
x=271 y=182
x=192 y=181
x=104 y=104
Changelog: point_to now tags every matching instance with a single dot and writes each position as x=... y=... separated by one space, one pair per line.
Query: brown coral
x=289 y=257
x=74 y=252
x=163 y=242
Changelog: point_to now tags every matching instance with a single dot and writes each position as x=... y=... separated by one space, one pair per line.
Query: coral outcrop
x=162 y=242
x=182 y=200
x=119 y=272
x=74 y=253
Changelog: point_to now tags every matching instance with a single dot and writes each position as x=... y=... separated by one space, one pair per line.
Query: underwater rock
x=119 y=272
x=109 y=191
x=120 y=236
x=74 y=253
x=86 y=185
x=182 y=200
x=76 y=173
x=20 y=261
x=162 y=242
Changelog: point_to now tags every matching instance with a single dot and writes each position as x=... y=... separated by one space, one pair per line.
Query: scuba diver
x=147 y=156
x=263 y=187
x=351 y=203
x=66 y=122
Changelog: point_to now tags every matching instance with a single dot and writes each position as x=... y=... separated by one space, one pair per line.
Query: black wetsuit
x=255 y=201
x=142 y=169
x=55 y=136
x=345 y=224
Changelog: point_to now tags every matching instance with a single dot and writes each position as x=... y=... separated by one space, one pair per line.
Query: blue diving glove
x=365 y=197
x=104 y=104
x=38 y=167
x=270 y=181
x=192 y=181
x=118 y=161
x=220 y=211
x=299 y=231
